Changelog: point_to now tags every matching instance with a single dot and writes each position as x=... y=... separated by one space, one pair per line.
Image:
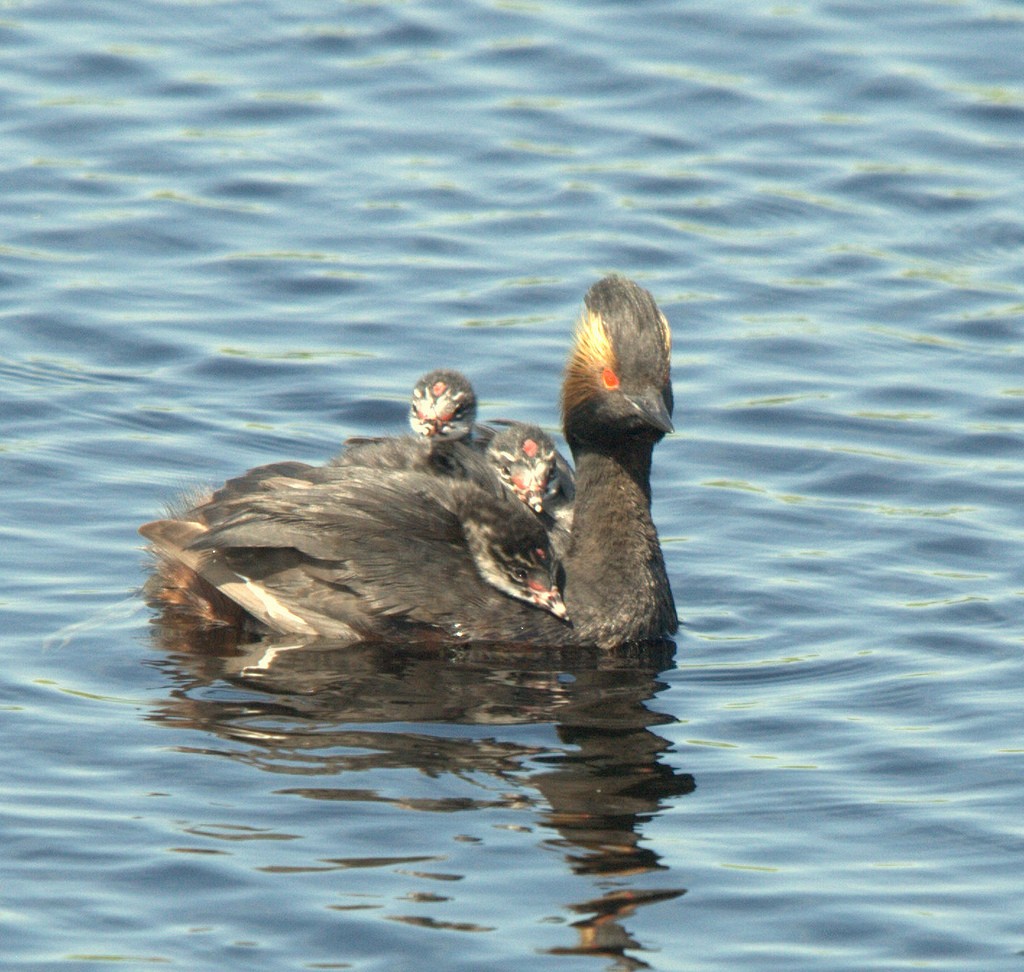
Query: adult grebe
x=368 y=553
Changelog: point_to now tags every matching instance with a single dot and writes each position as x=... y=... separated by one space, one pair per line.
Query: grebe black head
x=618 y=386
x=443 y=405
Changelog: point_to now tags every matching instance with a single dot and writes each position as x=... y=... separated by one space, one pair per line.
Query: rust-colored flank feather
x=186 y=597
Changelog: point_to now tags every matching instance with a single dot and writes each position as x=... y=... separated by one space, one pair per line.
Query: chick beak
x=530 y=488
x=548 y=598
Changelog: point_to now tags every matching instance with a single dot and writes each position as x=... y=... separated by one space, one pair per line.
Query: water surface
x=235 y=233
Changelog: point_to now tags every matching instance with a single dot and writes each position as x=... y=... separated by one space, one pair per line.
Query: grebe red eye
x=610 y=379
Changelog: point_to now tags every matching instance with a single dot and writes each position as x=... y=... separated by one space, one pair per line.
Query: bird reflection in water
x=309 y=709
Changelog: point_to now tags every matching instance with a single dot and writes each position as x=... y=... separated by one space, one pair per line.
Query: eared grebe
x=616 y=407
x=370 y=551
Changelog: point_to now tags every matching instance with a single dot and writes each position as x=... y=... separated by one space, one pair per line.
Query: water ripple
x=240 y=236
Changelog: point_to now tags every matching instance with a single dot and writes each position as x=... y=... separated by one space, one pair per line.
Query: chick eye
x=519 y=573
x=610 y=379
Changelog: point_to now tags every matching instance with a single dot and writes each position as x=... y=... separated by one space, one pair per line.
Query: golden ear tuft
x=666 y=333
x=591 y=356
x=593 y=346
x=666 y=343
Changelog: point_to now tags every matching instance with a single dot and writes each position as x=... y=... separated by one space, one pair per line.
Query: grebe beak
x=531 y=489
x=549 y=598
x=652 y=407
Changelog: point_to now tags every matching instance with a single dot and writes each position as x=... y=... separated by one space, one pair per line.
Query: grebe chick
x=442 y=414
x=513 y=555
x=528 y=463
x=443 y=406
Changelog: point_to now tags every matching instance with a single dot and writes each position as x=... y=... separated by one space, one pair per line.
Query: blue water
x=235 y=233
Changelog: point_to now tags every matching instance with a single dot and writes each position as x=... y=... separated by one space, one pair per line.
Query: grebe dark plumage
x=375 y=550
